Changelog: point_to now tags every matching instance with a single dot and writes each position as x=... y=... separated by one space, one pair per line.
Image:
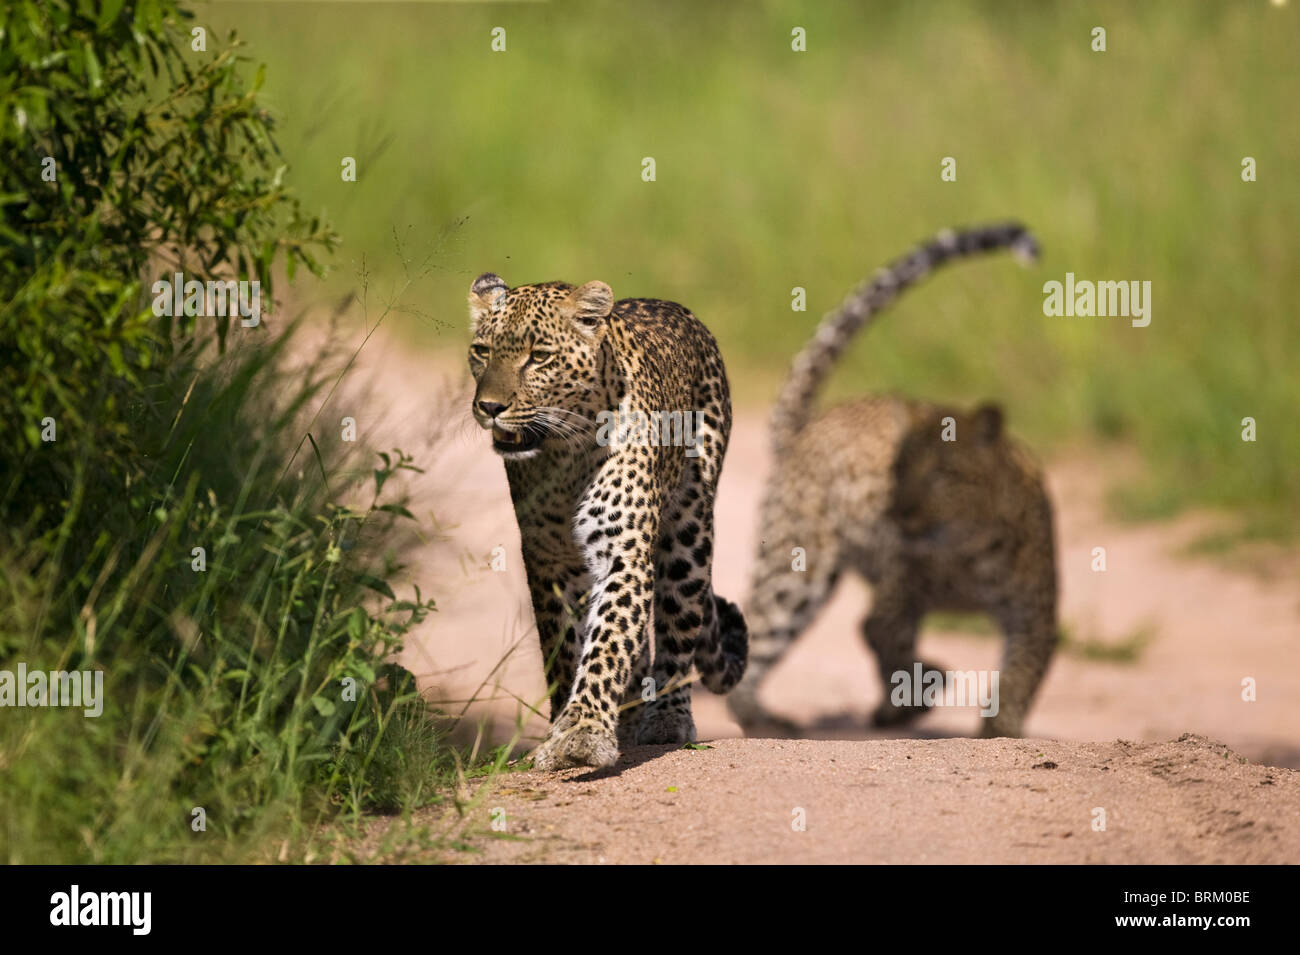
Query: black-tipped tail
x=721 y=657
x=814 y=363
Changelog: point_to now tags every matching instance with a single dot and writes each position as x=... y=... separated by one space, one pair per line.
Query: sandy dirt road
x=1197 y=627
x=904 y=802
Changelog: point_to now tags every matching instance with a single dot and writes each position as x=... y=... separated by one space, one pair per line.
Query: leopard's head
x=947 y=469
x=536 y=359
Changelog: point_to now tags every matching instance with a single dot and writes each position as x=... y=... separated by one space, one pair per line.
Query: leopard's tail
x=723 y=649
x=813 y=365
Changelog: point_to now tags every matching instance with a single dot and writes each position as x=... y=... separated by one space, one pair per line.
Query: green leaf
x=109 y=13
x=376 y=584
x=93 y=76
x=357 y=624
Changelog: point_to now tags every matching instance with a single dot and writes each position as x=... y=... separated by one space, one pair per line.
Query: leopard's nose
x=491 y=408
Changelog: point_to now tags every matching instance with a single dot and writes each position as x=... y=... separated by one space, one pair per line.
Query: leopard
x=937 y=509
x=615 y=516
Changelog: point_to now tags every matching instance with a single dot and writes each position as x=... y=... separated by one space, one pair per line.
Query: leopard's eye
x=480 y=352
x=540 y=356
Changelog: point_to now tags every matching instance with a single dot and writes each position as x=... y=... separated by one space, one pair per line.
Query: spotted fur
x=871 y=487
x=617 y=537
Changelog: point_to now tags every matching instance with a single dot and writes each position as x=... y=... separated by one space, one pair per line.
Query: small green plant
x=972 y=624
x=1126 y=650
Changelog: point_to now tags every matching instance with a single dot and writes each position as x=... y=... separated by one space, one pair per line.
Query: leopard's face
x=536 y=360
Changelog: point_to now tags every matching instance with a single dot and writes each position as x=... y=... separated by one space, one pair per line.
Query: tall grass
x=242 y=682
x=778 y=169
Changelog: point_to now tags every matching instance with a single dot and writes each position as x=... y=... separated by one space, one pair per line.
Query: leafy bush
x=175 y=534
x=126 y=154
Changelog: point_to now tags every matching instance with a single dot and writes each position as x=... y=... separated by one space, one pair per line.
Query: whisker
x=564 y=422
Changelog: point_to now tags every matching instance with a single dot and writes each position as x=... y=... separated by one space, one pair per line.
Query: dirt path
x=1195 y=629
x=903 y=802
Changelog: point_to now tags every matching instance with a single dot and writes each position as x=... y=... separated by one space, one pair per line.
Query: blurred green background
x=778 y=169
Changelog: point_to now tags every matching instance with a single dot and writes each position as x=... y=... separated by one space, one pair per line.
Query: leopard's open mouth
x=507 y=442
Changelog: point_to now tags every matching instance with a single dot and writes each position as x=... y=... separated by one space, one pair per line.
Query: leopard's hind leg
x=790 y=585
x=890 y=629
x=684 y=610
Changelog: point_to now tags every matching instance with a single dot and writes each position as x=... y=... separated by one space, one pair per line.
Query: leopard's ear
x=487 y=294
x=988 y=422
x=590 y=304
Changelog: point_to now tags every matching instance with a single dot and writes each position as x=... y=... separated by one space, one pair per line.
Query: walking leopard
x=871 y=487
x=617 y=536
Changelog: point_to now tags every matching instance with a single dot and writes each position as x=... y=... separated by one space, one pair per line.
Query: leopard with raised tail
x=935 y=508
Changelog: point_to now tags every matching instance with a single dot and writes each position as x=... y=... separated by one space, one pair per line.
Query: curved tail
x=814 y=363
x=721 y=655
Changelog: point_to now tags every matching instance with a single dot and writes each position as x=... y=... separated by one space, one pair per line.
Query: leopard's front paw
x=581 y=742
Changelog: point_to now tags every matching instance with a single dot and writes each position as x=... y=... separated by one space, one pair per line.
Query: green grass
x=778 y=169
x=1127 y=649
x=228 y=723
x=969 y=623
